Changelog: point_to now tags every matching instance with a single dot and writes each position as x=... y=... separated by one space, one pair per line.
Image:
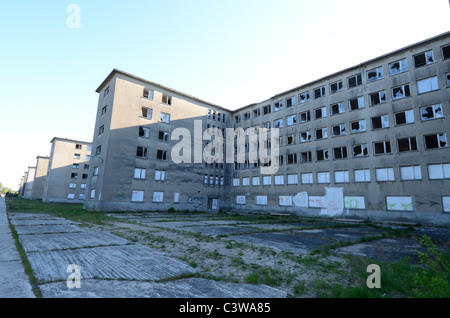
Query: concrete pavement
x=14 y=283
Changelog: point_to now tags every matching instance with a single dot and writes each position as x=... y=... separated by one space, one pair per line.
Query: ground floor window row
x=393 y=203
x=404 y=173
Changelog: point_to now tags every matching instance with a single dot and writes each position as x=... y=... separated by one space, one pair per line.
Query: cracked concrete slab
x=38 y=221
x=59 y=241
x=42 y=229
x=217 y=230
x=13 y=280
x=133 y=262
x=344 y=234
x=183 y=288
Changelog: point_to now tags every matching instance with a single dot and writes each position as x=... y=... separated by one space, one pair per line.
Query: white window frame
x=307 y=178
x=279 y=180
x=384 y=174
x=427 y=85
x=160 y=175
x=410 y=173
x=361 y=175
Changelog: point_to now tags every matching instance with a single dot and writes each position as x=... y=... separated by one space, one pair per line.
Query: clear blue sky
x=231 y=53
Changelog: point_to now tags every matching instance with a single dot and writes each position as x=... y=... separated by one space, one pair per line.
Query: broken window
x=404 y=117
x=303 y=97
x=75 y=166
x=161 y=155
x=336 y=87
x=165 y=118
x=106 y=92
x=358 y=126
x=237 y=119
x=354 y=81
x=163 y=136
x=148 y=93
x=360 y=150
x=291 y=158
x=101 y=130
x=375 y=74
x=266 y=110
x=98 y=150
x=291 y=120
x=341 y=176
x=410 y=173
x=85 y=176
x=322 y=154
x=278 y=123
x=147 y=112
x=401 y=92
x=445 y=52
x=382 y=147
x=290 y=101
x=160 y=175
x=291 y=140
x=380 y=122
x=319 y=92
x=435 y=141
x=356 y=103
x=337 y=108
x=398 y=67
x=377 y=98
x=256 y=113
x=338 y=130
x=247 y=116
x=423 y=58
x=78 y=146
x=104 y=110
x=320 y=112
x=305 y=116
x=139 y=173
x=307 y=178
x=323 y=177
x=427 y=85
x=74 y=175
x=166 y=99
x=305 y=136
x=384 y=174
x=447 y=76
x=439 y=171
x=340 y=152
x=277 y=106
x=431 y=112
x=407 y=144
x=321 y=133
x=361 y=175
x=76 y=156
x=305 y=157
x=266 y=125
x=144 y=132
x=141 y=152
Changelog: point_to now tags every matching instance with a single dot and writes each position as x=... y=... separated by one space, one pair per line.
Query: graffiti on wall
x=195 y=202
x=399 y=203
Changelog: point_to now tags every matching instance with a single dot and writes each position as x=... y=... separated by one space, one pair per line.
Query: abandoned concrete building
x=67 y=172
x=370 y=141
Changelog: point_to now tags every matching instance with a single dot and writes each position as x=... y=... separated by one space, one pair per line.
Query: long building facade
x=370 y=141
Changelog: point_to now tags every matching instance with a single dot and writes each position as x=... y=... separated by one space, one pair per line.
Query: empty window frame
x=375 y=74
x=74 y=175
x=104 y=110
x=237 y=119
x=323 y=177
x=356 y=103
x=404 y=117
x=381 y=147
x=166 y=99
x=307 y=178
x=358 y=126
x=160 y=175
x=279 y=180
x=377 y=98
x=410 y=173
x=256 y=113
x=321 y=133
x=78 y=146
x=291 y=120
x=163 y=136
x=141 y=152
x=320 y=112
x=303 y=97
x=447 y=76
x=277 y=106
x=338 y=130
x=266 y=125
x=341 y=176
x=292 y=179
x=354 y=80
x=398 y=67
x=435 y=141
x=278 y=123
x=77 y=155
x=139 y=173
x=407 y=144
x=384 y=174
x=360 y=150
x=439 y=171
x=340 y=153
x=144 y=132
x=423 y=58
x=319 y=92
x=75 y=166
x=322 y=155
x=361 y=175
x=336 y=87
x=85 y=175
x=161 y=155
x=401 y=92
x=98 y=151
x=291 y=158
x=106 y=92
x=305 y=116
x=445 y=52
x=291 y=139
x=101 y=130
x=266 y=110
x=247 y=116
x=148 y=93
x=427 y=85
x=147 y=112
x=379 y=122
x=431 y=112
x=305 y=136
x=164 y=118
x=290 y=101
x=337 y=108
x=305 y=157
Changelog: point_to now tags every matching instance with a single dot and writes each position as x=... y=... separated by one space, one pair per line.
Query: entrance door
x=213 y=204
